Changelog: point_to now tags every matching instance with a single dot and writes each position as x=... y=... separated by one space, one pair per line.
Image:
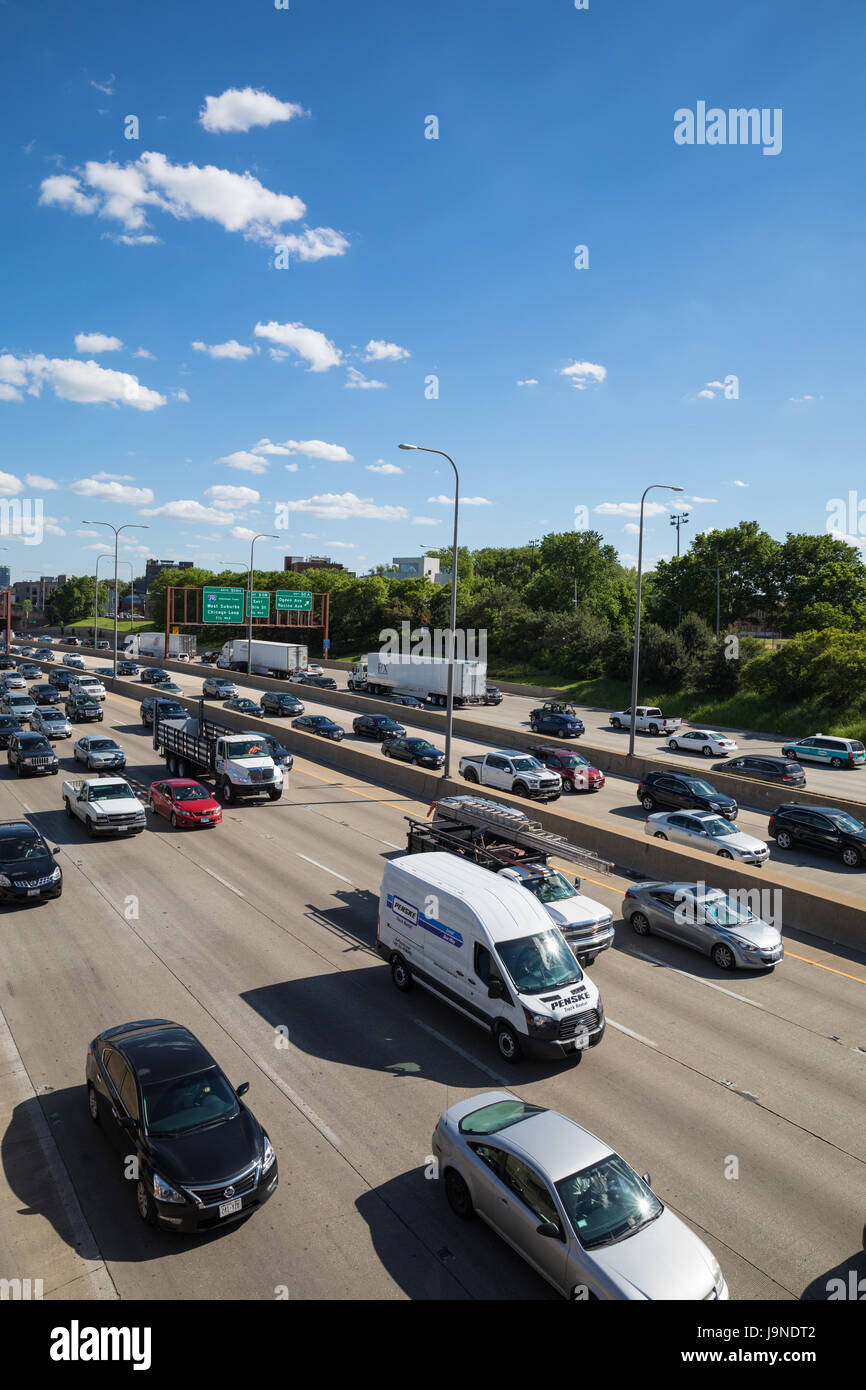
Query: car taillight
x=850 y=757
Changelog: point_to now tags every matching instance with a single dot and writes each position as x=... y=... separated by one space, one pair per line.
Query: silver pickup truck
x=648 y=719
x=519 y=773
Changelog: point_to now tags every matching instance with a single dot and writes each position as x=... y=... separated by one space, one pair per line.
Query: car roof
x=179 y=781
x=8 y=828
x=554 y=1143
x=162 y=1052
x=694 y=890
x=516 y=913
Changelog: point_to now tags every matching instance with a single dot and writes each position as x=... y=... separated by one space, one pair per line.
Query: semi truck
x=239 y=761
x=268 y=658
x=508 y=843
x=425 y=677
x=152 y=644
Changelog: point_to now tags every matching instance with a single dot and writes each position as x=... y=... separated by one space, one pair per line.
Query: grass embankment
x=107 y=624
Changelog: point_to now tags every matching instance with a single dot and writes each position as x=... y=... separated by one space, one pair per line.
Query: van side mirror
x=495 y=989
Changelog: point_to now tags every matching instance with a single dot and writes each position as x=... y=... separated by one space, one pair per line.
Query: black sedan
x=281 y=702
x=28 y=869
x=168 y=709
x=241 y=705
x=203 y=1159
x=413 y=750
x=127 y=668
x=10 y=725
x=32 y=755
x=152 y=675
x=319 y=724
x=379 y=726
x=83 y=707
x=45 y=694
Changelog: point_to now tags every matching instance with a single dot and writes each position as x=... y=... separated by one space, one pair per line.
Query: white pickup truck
x=648 y=719
x=105 y=805
x=519 y=773
x=87 y=685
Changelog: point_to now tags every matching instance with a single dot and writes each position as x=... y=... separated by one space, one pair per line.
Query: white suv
x=87 y=685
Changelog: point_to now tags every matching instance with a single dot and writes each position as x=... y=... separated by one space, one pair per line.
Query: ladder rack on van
x=482 y=814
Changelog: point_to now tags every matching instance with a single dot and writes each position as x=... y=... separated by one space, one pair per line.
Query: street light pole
x=452 y=635
x=635 y=661
x=127 y=526
x=263 y=536
x=96 y=598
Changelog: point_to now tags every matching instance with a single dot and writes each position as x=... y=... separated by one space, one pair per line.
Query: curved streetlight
x=635 y=661
x=262 y=536
x=127 y=526
x=449 y=699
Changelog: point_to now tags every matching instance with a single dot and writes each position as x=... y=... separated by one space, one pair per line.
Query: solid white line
x=305 y=1110
x=223 y=881
x=390 y=845
x=467 y=1056
x=28 y=809
x=710 y=984
x=323 y=866
x=621 y=1028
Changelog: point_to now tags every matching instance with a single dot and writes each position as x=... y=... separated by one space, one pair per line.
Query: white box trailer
x=425 y=677
x=268 y=658
x=152 y=644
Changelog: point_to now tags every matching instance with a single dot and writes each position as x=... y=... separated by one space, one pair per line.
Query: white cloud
x=290 y=467
x=102 y=546
x=310 y=536
x=318 y=449
x=245 y=462
x=84 y=382
x=52 y=526
x=103 y=491
x=242 y=533
x=581 y=373
x=179 y=393
x=631 y=527
x=242 y=108
x=629 y=562
x=426 y=520
x=308 y=343
x=702 y=499
x=377 y=350
x=227 y=498
x=86 y=533
x=265 y=446
x=106 y=87
x=706 y=395
x=381 y=467
x=185 y=509
x=237 y=202
x=115 y=477
x=10 y=485
x=143 y=352
x=97 y=342
x=340 y=545
x=715 y=385
x=530 y=381
x=464 y=501
x=344 y=506
x=799 y=400
x=630 y=509
x=232 y=350
x=358 y=382
x=36 y=480
x=735 y=482
x=9 y=393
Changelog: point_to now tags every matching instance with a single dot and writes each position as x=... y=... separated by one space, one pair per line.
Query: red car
x=184 y=801
x=577 y=772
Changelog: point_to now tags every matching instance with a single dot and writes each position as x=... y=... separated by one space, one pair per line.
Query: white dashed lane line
x=324 y=867
x=710 y=984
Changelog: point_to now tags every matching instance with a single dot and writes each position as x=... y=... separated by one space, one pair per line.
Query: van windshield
x=539 y=962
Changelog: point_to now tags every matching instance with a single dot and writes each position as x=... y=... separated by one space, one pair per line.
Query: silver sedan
x=568 y=1204
x=51 y=722
x=719 y=925
x=98 y=750
x=709 y=831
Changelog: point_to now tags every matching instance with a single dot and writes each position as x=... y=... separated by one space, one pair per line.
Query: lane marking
x=467 y=1056
x=621 y=1028
x=223 y=881
x=819 y=965
x=391 y=845
x=28 y=809
x=308 y=1113
x=710 y=984
x=324 y=867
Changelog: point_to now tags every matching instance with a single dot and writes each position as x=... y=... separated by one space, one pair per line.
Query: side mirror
x=646 y=1178
x=577 y=884
x=127 y=1122
x=495 y=989
x=242 y=1089
x=547 y=1228
x=56 y=849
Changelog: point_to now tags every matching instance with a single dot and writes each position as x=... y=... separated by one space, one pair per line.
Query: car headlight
x=269 y=1156
x=743 y=943
x=718 y=1277
x=163 y=1191
x=541 y=1023
x=55 y=875
x=5 y=882
x=241 y=775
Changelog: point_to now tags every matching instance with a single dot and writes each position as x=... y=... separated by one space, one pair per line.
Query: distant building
x=416 y=567
x=312 y=562
x=4 y=577
x=37 y=591
x=155 y=567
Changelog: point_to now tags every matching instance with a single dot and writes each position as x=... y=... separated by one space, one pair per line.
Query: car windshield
x=702 y=788
x=21 y=845
x=188 y=1102
x=539 y=962
x=491 y=1119
x=607 y=1202
x=7 y=721
x=18 y=701
x=849 y=823
x=247 y=748
x=727 y=913
x=526 y=764
x=553 y=888
x=169 y=709
x=420 y=745
x=718 y=827
x=195 y=793
x=101 y=745
x=573 y=761
x=114 y=791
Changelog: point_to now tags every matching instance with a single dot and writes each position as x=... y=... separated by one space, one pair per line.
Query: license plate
x=228 y=1208
x=33 y=892
x=205 y=820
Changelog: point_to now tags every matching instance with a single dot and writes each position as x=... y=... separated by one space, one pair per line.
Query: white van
x=488 y=948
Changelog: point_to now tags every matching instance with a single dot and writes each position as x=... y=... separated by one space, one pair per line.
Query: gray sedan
x=51 y=722
x=718 y=924
x=568 y=1204
x=219 y=687
x=98 y=750
x=709 y=831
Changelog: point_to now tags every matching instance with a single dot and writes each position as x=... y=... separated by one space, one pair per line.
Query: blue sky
x=413 y=258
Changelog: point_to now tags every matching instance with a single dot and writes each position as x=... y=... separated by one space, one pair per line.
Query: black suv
x=379 y=726
x=84 y=707
x=45 y=694
x=281 y=702
x=766 y=769
x=32 y=753
x=678 y=790
x=61 y=677
x=10 y=725
x=168 y=709
x=832 y=831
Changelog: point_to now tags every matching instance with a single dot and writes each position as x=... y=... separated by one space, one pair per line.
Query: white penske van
x=489 y=949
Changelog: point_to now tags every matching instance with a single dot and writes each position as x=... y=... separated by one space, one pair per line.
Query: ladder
x=477 y=811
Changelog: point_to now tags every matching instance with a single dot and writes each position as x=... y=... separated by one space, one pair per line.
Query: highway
x=742 y=1095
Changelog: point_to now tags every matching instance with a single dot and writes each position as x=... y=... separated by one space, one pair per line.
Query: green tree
x=821 y=582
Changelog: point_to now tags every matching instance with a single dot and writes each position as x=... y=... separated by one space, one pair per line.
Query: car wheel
x=616 y=724
x=275 y=793
x=640 y=923
x=520 y=789
x=226 y=791
x=851 y=857
x=459 y=1199
x=660 y=835
x=470 y=776
x=88 y=825
x=783 y=839
x=18 y=772
x=568 y=786
x=144 y=1203
x=173 y=819
x=653 y=730
x=401 y=974
x=724 y=854
x=534 y=727
x=707 y=751
x=723 y=956
x=92 y=1104
x=673 y=745
x=507 y=1043
x=648 y=803
x=68 y=809
x=836 y=762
